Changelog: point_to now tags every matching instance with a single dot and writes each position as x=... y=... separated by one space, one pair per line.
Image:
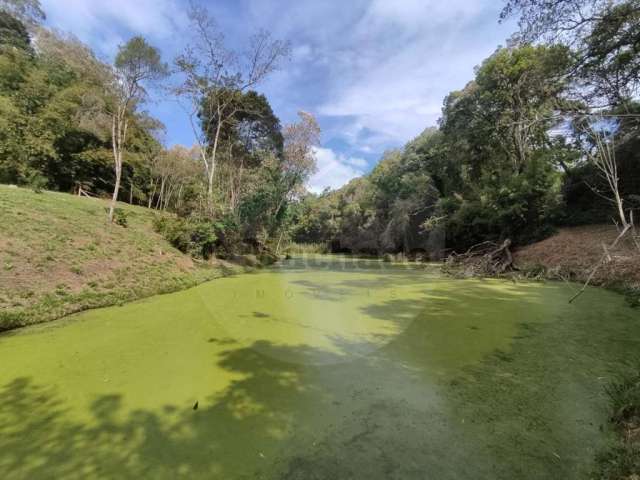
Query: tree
x=605 y=37
x=214 y=79
x=27 y=11
x=253 y=133
x=13 y=33
x=520 y=89
x=556 y=21
x=136 y=64
x=172 y=171
x=610 y=66
x=280 y=179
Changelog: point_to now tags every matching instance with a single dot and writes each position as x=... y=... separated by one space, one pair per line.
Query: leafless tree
x=299 y=159
x=603 y=157
x=213 y=79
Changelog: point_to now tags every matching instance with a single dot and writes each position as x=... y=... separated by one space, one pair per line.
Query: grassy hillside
x=58 y=255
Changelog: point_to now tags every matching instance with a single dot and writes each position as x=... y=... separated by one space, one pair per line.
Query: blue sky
x=374 y=72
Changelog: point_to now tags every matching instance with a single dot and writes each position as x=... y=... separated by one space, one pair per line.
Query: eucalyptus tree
x=137 y=63
x=214 y=79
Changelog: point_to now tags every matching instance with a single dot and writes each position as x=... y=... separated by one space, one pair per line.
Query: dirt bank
x=571 y=254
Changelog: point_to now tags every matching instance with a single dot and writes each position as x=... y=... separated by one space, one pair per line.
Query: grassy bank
x=58 y=255
x=622 y=459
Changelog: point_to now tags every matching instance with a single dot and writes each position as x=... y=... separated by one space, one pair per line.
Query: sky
x=373 y=72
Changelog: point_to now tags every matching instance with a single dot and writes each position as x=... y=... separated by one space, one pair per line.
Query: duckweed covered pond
x=324 y=368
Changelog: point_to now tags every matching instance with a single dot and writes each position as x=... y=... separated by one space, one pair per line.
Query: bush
x=307 y=248
x=121 y=217
x=36 y=181
x=195 y=236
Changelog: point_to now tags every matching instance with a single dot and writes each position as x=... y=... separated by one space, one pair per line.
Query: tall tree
x=252 y=134
x=605 y=38
x=214 y=78
x=136 y=64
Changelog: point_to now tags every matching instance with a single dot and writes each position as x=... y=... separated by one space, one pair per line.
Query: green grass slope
x=59 y=255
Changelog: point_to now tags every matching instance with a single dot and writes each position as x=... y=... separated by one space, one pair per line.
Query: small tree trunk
x=119 y=136
x=212 y=167
x=179 y=199
x=279 y=240
x=161 y=193
x=153 y=194
x=116 y=189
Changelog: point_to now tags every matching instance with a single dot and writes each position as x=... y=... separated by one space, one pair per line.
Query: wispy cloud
x=402 y=58
x=375 y=72
x=106 y=24
x=334 y=170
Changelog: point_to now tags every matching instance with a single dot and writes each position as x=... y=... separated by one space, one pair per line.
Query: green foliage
x=54 y=120
x=195 y=236
x=625 y=399
x=13 y=33
x=36 y=181
x=307 y=248
x=121 y=217
x=138 y=61
x=604 y=35
x=489 y=172
x=27 y=11
x=622 y=459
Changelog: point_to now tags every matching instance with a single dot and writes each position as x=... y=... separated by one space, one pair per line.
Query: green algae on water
x=323 y=368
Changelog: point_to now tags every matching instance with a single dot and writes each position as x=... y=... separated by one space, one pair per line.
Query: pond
x=319 y=368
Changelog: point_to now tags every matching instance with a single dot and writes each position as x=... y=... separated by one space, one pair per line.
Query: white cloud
x=375 y=73
x=106 y=24
x=402 y=58
x=334 y=170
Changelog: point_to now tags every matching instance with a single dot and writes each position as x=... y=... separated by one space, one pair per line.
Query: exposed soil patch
x=572 y=253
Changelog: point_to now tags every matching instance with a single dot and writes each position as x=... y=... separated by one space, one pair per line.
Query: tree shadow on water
x=234 y=433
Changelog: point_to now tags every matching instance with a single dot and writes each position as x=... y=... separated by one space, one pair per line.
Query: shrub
x=36 y=181
x=195 y=236
x=307 y=248
x=121 y=217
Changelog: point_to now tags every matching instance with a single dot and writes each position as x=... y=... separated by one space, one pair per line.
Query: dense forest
x=546 y=134
x=517 y=152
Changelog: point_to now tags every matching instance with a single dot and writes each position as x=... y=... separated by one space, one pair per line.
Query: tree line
x=546 y=134
x=72 y=122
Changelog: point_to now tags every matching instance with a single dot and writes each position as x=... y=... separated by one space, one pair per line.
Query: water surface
x=324 y=368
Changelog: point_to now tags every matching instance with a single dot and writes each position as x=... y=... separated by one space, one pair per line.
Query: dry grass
x=573 y=252
x=59 y=255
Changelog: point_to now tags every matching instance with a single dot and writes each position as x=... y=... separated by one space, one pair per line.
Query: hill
x=58 y=255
